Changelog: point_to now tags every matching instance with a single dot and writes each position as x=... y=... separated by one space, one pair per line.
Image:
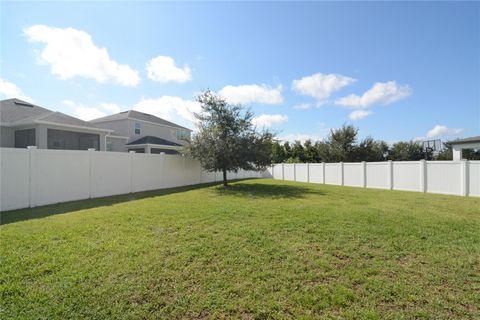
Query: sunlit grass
x=260 y=249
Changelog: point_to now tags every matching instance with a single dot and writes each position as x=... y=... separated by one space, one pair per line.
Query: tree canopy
x=342 y=145
x=227 y=140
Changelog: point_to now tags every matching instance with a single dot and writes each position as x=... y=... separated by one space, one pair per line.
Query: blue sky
x=397 y=71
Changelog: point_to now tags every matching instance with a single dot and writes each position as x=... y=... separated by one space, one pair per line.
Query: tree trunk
x=225 y=182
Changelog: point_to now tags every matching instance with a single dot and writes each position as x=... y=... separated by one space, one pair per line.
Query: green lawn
x=262 y=249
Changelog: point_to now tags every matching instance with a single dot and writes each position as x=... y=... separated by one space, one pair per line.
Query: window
x=137 y=127
x=182 y=134
x=109 y=146
x=24 y=138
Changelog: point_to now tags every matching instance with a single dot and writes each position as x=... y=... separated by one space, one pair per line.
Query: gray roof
x=154 y=140
x=466 y=140
x=19 y=112
x=139 y=116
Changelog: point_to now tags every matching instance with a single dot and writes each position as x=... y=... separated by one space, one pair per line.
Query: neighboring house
x=25 y=124
x=143 y=133
x=467 y=143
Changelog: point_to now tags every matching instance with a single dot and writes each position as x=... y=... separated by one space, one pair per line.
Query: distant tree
x=323 y=151
x=371 y=150
x=293 y=160
x=278 y=153
x=446 y=153
x=298 y=152
x=407 y=151
x=227 y=140
x=341 y=143
x=310 y=152
x=287 y=149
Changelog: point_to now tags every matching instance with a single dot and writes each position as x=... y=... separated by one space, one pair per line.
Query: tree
x=371 y=150
x=406 y=151
x=341 y=144
x=227 y=140
x=446 y=153
x=310 y=152
x=298 y=152
x=278 y=153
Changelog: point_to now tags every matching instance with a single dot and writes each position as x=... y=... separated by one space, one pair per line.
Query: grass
x=261 y=249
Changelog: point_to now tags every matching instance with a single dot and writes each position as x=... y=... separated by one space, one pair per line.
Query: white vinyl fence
x=35 y=177
x=447 y=177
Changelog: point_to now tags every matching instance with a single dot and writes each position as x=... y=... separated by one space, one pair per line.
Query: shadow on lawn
x=65 y=207
x=266 y=190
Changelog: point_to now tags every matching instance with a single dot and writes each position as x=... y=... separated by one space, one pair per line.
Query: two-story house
x=24 y=124
x=142 y=133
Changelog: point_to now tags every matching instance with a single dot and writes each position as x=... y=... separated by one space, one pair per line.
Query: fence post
x=294 y=172
x=423 y=175
x=323 y=172
x=465 y=166
x=341 y=173
x=308 y=172
x=90 y=171
x=132 y=155
x=32 y=158
x=390 y=174
x=283 y=172
x=364 y=174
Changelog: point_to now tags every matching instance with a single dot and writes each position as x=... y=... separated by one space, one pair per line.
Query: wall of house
x=121 y=127
x=445 y=177
x=118 y=144
x=35 y=177
x=126 y=127
x=7 y=137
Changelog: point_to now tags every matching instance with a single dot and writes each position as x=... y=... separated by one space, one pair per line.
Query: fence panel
x=278 y=171
x=111 y=173
x=353 y=174
x=301 y=172
x=332 y=173
x=14 y=179
x=377 y=175
x=316 y=172
x=474 y=178
x=288 y=172
x=146 y=172
x=406 y=175
x=444 y=177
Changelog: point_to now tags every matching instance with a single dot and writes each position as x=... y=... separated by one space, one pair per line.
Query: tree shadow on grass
x=266 y=190
x=12 y=216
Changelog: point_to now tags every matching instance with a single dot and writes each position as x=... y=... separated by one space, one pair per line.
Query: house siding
x=126 y=128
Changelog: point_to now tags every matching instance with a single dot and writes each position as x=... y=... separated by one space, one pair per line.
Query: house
x=25 y=124
x=143 y=133
x=467 y=143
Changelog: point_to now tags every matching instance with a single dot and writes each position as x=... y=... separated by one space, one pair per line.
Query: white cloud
x=359 y=114
x=252 y=93
x=302 y=106
x=440 y=131
x=89 y=113
x=11 y=90
x=268 y=120
x=163 y=69
x=292 y=137
x=321 y=86
x=72 y=53
x=170 y=108
x=382 y=93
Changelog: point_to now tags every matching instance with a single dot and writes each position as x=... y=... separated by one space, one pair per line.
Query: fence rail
x=35 y=177
x=446 y=177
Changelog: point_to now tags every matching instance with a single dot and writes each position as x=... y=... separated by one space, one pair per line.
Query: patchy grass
x=260 y=249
